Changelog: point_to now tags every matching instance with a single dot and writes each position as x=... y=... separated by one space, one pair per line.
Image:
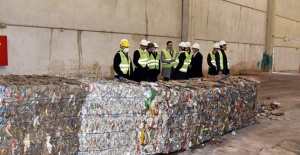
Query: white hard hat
x=123 y=40
x=188 y=44
x=144 y=42
x=197 y=46
x=182 y=44
x=216 y=45
x=155 y=45
x=222 y=43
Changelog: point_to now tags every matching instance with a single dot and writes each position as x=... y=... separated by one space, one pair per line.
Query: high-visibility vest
x=153 y=63
x=168 y=57
x=125 y=63
x=213 y=59
x=221 y=60
x=186 y=62
x=191 y=56
x=143 y=60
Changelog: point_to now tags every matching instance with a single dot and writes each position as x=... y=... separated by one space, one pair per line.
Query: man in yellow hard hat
x=122 y=62
x=140 y=60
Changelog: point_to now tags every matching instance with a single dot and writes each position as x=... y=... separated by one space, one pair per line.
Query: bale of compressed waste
x=39 y=114
x=55 y=115
x=163 y=117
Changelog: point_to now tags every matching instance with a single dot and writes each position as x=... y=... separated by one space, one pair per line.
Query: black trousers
x=212 y=71
x=140 y=75
x=180 y=75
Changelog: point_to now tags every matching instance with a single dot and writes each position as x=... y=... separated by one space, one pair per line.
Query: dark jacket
x=212 y=70
x=225 y=67
x=196 y=70
x=177 y=75
x=140 y=73
x=154 y=72
x=117 y=61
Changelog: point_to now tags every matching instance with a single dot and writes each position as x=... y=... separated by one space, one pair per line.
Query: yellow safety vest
x=153 y=63
x=213 y=59
x=221 y=60
x=143 y=58
x=191 y=56
x=125 y=63
x=186 y=62
x=168 y=57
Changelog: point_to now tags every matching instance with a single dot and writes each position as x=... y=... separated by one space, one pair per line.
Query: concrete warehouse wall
x=81 y=37
x=241 y=23
x=287 y=25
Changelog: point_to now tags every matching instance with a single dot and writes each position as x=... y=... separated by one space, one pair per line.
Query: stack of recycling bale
x=39 y=114
x=187 y=113
x=54 y=115
x=163 y=117
x=110 y=117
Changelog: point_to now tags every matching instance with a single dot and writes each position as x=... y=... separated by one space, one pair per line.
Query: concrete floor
x=270 y=137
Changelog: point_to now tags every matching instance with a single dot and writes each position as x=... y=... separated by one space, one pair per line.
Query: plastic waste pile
x=163 y=117
x=53 y=115
x=39 y=114
x=270 y=109
x=111 y=116
x=188 y=113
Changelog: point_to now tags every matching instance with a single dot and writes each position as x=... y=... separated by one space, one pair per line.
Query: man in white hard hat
x=167 y=58
x=211 y=60
x=221 y=60
x=153 y=63
x=140 y=60
x=190 y=52
x=188 y=48
x=196 y=62
x=122 y=62
x=182 y=63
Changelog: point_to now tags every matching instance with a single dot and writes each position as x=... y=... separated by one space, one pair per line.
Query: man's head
x=170 y=45
x=195 y=48
x=188 y=46
x=143 y=44
x=155 y=47
x=223 y=45
x=216 y=47
x=182 y=46
x=150 y=47
x=124 y=45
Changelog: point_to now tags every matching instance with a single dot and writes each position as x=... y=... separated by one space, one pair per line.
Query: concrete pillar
x=187 y=32
x=267 y=63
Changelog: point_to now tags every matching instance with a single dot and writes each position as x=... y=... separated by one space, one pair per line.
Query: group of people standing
x=184 y=64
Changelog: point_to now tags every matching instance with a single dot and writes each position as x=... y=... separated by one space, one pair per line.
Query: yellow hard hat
x=124 y=43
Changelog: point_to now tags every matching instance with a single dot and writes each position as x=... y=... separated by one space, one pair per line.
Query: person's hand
x=220 y=72
x=190 y=66
x=172 y=60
